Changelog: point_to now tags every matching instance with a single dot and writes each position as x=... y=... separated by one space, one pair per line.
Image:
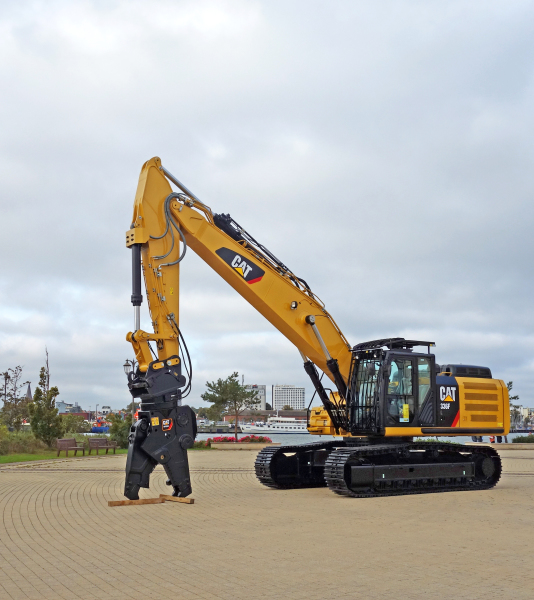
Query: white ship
x=276 y=425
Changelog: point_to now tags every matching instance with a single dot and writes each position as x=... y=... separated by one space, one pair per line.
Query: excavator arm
x=282 y=298
x=161 y=217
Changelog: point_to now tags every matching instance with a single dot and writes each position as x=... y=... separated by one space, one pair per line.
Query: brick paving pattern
x=240 y=540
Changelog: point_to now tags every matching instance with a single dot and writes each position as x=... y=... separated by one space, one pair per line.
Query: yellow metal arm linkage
x=270 y=290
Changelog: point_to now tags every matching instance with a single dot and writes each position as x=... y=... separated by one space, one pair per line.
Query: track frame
x=366 y=470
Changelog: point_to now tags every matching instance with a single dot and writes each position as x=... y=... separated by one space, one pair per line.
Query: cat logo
x=448 y=410
x=242 y=265
x=447 y=394
x=166 y=424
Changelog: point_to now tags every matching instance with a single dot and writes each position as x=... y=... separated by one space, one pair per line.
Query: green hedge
x=24 y=442
x=524 y=439
x=19 y=442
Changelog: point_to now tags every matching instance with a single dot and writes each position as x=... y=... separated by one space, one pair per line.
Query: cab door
x=426 y=390
x=400 y=398
x=410 y=393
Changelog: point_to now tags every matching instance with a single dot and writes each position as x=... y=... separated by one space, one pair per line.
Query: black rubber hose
x=137 y=297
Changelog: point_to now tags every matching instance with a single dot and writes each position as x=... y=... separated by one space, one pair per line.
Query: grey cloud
x=382 y=151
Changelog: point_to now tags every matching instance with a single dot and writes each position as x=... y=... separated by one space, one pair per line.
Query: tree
x=214 y=413
x=75 y=424
x=120 y=428
x=268 y=406
x=510 y=385
x=230 y=397
x=46 y=423
x=515 y=413
x=131 y=409
x=15 y=408
x=287 y=407
x=201 y=412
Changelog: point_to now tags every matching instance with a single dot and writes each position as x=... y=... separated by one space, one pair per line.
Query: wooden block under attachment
x=135 y=502
x=176 y=499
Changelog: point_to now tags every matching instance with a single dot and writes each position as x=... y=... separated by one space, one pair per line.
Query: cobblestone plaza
x=240 y=540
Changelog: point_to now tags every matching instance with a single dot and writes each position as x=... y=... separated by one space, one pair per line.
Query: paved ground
x=59 y=539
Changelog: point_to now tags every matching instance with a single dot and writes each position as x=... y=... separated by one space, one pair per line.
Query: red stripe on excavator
x=255 y=280
x=456 y=419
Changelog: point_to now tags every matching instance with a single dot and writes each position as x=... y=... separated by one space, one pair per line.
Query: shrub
x=19 y=442
x=434 y=440
x=201 y=444
x=524 y=439
x=75 y=424
x=256 y=439
x=120 y=429
x=246 y=439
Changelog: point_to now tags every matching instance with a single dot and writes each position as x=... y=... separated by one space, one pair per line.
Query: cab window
x=423 y=374
x=400 y=379
x=401 y=401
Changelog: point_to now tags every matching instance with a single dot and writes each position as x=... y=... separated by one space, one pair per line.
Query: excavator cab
x=391 y=385
x=394 y=394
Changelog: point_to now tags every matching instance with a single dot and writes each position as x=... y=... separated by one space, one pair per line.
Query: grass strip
x=51 y=455
x=12 y=458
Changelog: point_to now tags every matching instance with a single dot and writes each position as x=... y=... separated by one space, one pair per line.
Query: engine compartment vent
x=466 y=371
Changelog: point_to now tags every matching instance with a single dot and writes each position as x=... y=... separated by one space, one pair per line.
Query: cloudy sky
x=382 y=150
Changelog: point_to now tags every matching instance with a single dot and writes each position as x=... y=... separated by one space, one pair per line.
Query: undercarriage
x=360 y=469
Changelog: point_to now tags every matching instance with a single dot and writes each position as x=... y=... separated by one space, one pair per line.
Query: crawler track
x=396 y=461
x=366 y=470
x=304 y=467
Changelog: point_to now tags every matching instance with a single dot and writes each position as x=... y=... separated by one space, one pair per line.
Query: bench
x=101 y=444
x=69 y=444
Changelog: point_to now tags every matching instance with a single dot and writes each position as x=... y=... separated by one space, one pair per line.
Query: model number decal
x=448 y=401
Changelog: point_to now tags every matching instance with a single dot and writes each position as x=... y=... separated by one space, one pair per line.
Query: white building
x=261 y=392
x=288 y=395
x=526 y=413
x=64 y=407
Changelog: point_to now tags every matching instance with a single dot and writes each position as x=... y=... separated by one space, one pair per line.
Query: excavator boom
x=271 y=288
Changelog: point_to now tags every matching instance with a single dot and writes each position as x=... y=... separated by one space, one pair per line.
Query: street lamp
x=129 y=367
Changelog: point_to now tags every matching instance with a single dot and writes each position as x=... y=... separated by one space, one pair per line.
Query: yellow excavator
x=377 y=396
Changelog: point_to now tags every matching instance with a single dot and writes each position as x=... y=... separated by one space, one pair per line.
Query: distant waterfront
x=289 y=439
x=284 y=438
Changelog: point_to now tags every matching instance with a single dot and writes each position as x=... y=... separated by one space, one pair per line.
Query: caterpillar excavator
x=377 y=396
